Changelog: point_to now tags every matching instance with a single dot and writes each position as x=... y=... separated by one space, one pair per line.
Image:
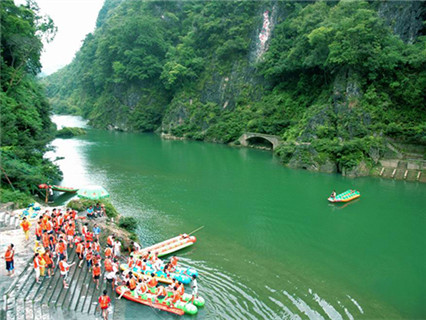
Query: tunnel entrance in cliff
x=260 y=143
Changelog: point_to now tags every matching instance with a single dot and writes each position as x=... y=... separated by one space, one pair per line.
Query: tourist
x=65 y=268
x=103 y=211
x=96 y=272
x=25 y=225
x=80 y=253
x=152 y=283
x=89 y=212
x=110 y=240
x=108 y=252
x=104 y=303
x=38 y=230
x=117 y=249
x=160 y=293
x=84 y=230
x=49 y=263
x=194 y=287
x=136 y=246
x=89 y=257
x=130 y=284
x=9 y=258
x=36 y=261
x=141 y=287
x=333 y=194
x=45 y=239
x=70 y=232
x=96 y=231
x=97 y=210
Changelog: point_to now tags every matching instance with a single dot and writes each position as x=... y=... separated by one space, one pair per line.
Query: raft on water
x=179 y=308
x=180 y=274
x=346 y=196
x=168 y=246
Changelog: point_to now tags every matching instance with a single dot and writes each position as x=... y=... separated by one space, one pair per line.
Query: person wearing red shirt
x=104 y=302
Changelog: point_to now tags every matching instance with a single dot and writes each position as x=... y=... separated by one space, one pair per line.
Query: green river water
x=272 y=246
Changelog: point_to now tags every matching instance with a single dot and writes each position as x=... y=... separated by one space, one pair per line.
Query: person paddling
x=104 y=302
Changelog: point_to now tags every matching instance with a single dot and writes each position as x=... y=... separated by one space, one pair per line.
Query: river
x=272 y=246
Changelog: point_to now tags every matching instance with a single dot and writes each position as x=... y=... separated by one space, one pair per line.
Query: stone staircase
x=26 y=299
x=403 y=169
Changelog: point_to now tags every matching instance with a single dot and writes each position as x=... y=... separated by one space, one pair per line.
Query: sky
x=74 y=20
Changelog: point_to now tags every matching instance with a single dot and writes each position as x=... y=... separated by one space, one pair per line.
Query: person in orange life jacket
x=80 y=253
x=152 y=282
x=9 y=258
x=45 y=239
x=38 y=230
x=89 y=257
x=96 y=258
x=25 y=225
x=70 y=233
x=49 y=225
x=49 y=263
x=173 y=262
x=110 y=240
x=167 y=268
x=141 y=288
x=96 y=272
x=36 y=262
x=160 y=292
x=89 y=236
x=61 y=249
x=96 y=247
x=108 y=252
x=65 y=268
x=130 y=262
x=180 y=288
x=84 y=230
x=176 y=296
x=104 y=302
x=130 y=282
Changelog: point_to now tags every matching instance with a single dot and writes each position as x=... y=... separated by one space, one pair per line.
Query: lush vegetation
x=25 y=112
x=69 y=132
x=334 y=80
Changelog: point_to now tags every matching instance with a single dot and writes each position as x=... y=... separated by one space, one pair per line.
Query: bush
x=69 y=132
x=83 y=204
x=20 y=199
x=128 y=223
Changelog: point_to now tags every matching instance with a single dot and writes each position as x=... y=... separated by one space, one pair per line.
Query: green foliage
x=69 y=132
x=334 y=75
x=20 y=199
x=128 y=223
x=81 y=205
x=25 y=112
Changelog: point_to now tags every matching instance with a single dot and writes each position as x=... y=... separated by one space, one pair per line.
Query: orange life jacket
x=89 y=255
x=176 y=297
x=70 y=231
x=49 y=226
x=38 y=230
x=152 y=282
x=161 y=291
x=89 y=236
x=109 y=240
x=181 y=289
x=108 y=252
x=36 y=262
x=61 y=247
x=9 y=255
x=130 y=262
x=104 y=301
x=96 y=247
x=25 y=225
x=174 y=261
x=45 y=240
x=48 y=259
x=108 y=265
x=63 y=267
x=97 y=271
x=79 y=248
x=132 y=284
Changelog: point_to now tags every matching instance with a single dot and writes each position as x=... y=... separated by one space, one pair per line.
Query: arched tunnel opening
x=259 y=142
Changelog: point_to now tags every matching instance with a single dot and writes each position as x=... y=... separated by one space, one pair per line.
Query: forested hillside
x=333 y=79
x=25 y=112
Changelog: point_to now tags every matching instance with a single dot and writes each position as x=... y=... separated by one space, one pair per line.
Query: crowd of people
x=57 y=232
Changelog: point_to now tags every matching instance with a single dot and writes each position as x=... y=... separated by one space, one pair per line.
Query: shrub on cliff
x=128 y=223
x=69 y=132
